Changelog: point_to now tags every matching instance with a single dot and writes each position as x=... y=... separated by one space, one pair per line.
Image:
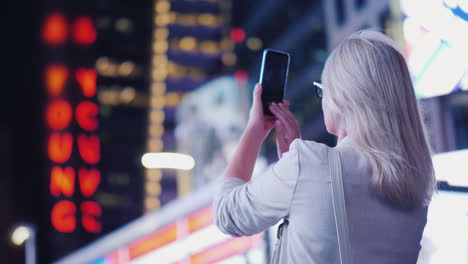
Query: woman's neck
x=341 y=134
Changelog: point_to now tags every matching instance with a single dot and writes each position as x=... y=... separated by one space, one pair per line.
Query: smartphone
x=273 y=77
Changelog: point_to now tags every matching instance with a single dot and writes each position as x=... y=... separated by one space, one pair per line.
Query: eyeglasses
x=318 y=89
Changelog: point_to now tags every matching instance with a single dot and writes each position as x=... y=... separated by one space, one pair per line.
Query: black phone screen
x=273 y=78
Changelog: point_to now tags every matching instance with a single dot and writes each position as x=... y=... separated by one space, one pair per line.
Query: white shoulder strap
x=339 y=206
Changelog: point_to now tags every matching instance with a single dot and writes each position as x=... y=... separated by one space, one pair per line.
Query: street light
x=168 y=160
x=26 y=234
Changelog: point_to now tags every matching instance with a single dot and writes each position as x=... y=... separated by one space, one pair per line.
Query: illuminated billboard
x=436 y=38
x=181 y=232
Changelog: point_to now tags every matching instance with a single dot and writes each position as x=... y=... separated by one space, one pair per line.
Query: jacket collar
x=346 y=141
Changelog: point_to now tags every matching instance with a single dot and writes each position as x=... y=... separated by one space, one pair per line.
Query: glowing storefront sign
x=193 y=239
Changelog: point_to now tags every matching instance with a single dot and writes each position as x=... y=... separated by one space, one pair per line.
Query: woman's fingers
x=279 y=113
x=288 y=120
x=288 y=113
x=292 y=119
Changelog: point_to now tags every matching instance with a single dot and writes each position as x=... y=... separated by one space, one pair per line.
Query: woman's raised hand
x=258 y=122
x=286 y=125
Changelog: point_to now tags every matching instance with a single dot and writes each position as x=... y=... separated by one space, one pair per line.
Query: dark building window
x=340 y=11
x=359 y=4
x=384 y=18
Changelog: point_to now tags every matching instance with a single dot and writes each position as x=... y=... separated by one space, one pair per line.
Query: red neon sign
x=60 y=147
x=89 y=181
x=55 y=78
x=89 y=148
x=90 y=211
x=86 y=115
x=58 y=114
x=62 y=181
x=84 y=32
x=55 y=30
x=87 y=80
x=63 y=216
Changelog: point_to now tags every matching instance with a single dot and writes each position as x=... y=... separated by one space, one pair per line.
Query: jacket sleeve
x=245 y=208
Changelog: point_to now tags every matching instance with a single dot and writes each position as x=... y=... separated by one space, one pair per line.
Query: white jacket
x=297 y=188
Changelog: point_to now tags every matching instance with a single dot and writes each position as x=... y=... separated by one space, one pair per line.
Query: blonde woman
x=370 y=105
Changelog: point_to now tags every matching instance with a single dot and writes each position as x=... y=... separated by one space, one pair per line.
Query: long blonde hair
x=368 y=86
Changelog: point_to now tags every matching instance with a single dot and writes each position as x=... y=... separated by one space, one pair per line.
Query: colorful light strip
x=157 y=101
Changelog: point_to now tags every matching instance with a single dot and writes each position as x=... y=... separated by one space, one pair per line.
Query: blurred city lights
x=463 y=5
x=161 y=34
x=126 y=68
x=173 y=98
x=153 y=188
x=157 y=88
x=451 y=3
x=229 y=59
x=153 y=176
x=208 y=20
x=160 y=60
x=127 y=95
x=185 y=19
x=157 y=116
x=123 y=25
x=196 y=73
x=237 y=35
x=209 y=47
x=162 y=20
x=152 y=203
x=162 y=6
x=254 y=43
x=168 y=160
x=156 y=130
x=241 y=76
x=54 y=31
x=155 y=145
x=227 y=44
x=464 y=82
x=187 y=43
x=160 y=46
x=452 y=167
x=20 y=234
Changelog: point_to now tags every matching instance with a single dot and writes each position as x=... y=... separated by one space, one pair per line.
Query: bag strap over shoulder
x=339 y=206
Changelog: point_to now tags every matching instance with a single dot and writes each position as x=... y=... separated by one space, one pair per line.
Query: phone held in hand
x=273 y=77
